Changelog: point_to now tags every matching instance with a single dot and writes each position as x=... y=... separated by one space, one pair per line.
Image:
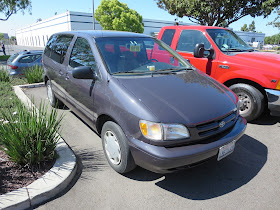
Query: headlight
x=160 y=131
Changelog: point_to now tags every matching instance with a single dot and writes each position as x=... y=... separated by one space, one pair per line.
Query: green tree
x=2 y=36
x=275 y=39
x=114 y=15
x=252 y=27
x=267 y=40
x=244 y=28
x=218 y=13
x=276 y=21
x=9 y=7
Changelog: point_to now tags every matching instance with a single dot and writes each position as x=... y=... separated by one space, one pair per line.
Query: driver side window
x=189 y=38
x=82 y=55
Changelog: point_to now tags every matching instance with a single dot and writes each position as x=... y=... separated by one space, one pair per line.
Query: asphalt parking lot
x=247 y=179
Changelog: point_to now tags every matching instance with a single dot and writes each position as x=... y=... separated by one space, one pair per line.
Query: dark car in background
x=149 y=105
x=18 y=62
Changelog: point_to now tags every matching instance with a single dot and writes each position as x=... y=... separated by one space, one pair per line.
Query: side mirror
x=83 y=72
x=198 y=51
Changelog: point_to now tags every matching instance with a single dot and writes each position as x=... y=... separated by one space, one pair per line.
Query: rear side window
x=82 y=55
x=29 y=58
x=167 y=36
x=189 y=38
x=57 y=46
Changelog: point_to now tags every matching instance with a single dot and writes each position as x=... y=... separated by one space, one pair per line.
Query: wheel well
x=248 y=82
x=101 y=120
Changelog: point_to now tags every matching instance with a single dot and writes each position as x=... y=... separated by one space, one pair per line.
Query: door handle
x=60 y=73
x=67 y=77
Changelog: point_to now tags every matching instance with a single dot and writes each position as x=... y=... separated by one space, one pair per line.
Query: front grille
x=208 y=132
x=217 y=126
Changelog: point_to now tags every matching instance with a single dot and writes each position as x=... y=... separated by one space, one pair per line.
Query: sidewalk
x=12 y=49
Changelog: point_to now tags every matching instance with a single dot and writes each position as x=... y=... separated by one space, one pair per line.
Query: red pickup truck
x=253 y=76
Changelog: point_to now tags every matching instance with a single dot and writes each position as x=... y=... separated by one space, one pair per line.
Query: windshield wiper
x=171 y=70
x=234 y=50
x=129 y=72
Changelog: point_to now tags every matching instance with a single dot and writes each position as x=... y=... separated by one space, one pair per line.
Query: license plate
x=226 y=150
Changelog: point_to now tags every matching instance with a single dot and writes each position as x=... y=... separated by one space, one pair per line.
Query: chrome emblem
x=222 y=124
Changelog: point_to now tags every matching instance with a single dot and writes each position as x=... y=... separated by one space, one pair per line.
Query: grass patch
x=34 y=74
x=8 y=98
x=4 y=57
x=29 y=136
x=4 y=75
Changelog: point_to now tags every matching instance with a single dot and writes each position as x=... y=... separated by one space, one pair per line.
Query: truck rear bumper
x=273 y=97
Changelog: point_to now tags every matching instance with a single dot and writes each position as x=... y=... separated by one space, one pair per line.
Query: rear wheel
x=116 y=148
x=55 y=102
x=251 y=101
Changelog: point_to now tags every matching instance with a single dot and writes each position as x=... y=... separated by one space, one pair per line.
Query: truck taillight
x=13 y=67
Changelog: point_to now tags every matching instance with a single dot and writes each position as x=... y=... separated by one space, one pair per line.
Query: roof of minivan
x=104 y=33
x=197 y=27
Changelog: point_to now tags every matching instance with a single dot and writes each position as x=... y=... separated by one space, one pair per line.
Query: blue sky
x=147 y=8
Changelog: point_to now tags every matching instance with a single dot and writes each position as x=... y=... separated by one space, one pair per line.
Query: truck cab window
x=189 y=38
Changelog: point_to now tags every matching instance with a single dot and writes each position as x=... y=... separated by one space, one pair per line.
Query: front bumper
x=161 y=159
x=273 y=98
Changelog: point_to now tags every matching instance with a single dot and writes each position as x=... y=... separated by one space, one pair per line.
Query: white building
x=38 y=33
x=250 y=37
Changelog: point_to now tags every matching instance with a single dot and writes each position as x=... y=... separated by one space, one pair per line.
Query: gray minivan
x=150 y=106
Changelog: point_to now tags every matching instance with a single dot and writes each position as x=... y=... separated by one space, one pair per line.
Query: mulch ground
x=13 y=177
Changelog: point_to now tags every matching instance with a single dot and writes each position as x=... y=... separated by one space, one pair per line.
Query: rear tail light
x=13 y=67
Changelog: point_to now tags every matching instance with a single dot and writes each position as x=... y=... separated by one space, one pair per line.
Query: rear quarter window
x=167 y=36
x=57 y=46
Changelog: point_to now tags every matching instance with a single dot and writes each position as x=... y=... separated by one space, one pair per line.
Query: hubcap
x=245 y=102
x=112 y=147
x=50 y=93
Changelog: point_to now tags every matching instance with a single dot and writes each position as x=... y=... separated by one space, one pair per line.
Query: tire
x=251 y=101
x=116 y=148
x=54 y=102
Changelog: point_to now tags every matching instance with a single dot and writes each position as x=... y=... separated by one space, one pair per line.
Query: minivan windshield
x=228 y=41
x=139 y=55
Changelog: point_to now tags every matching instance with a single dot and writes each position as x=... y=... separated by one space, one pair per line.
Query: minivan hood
x=187 y=98
x=259 y=60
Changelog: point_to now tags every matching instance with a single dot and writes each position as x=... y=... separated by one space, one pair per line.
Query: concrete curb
x=50 y=184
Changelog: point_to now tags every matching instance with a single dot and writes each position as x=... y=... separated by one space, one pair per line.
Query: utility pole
x=93 y=23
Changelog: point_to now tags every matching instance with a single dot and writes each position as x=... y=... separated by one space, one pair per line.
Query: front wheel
x=116 y=148
x=251 y=101
x=55 y=102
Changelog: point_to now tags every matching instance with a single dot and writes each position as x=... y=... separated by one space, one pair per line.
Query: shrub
x=4 y=57
x=29 y=136
x=34 y=74
x=4 y=75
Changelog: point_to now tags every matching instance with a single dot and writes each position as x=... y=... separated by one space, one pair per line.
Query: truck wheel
x=251 y=101
x=55 y=102
x=116 y=148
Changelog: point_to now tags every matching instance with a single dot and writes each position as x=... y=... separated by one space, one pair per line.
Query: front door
x=80 y=91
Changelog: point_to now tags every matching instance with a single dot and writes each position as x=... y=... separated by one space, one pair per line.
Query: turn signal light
x=278 y=85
